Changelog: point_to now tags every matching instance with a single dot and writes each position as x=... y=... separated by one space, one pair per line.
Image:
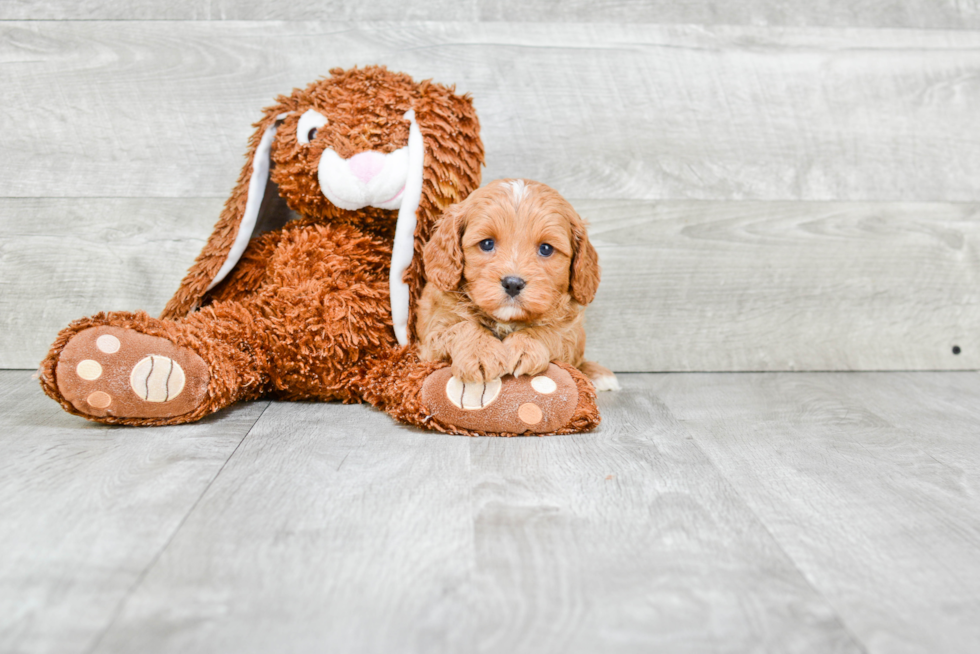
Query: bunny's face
x=346 y=144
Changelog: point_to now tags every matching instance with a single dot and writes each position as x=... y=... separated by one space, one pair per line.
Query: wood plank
x=629 y=540
x=207 y=10
x=333 y=529
x=600 y=111
x=103 y=10
x=869 y=481
x=85 y=509
x=926 y=400
x=687 y=286
x=928 y=14
x=922 y=14
x=62 y=259
x=691 y=286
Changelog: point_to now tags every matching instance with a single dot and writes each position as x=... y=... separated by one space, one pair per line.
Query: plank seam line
x=728 y=482
x=156 y=557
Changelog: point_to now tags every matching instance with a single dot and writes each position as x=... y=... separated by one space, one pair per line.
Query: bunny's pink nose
x=366 y=165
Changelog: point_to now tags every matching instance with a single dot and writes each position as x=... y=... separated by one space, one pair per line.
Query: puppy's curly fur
x=510 y=271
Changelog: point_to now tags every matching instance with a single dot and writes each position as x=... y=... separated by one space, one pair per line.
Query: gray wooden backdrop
x=772 y=184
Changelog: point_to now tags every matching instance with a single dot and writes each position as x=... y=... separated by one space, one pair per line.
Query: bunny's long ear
x=453 y=157
x=236 y=225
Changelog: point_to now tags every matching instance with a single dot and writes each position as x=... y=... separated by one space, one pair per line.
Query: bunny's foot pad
x=113 y=371
x=540 y=404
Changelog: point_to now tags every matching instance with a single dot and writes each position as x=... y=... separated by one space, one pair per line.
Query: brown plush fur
x=305 y=314
x=364 y=108
x=468 y=318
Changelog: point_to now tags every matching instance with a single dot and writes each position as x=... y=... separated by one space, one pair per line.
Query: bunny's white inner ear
x=403 y=248
x=256 y=191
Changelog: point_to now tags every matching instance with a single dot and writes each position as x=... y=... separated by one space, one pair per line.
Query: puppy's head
x=518 y=250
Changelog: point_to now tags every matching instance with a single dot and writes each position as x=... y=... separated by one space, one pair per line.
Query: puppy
x=509 y=272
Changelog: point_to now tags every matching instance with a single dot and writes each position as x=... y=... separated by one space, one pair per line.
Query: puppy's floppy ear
x=237 y=222
x=443 y=254
x=584 y=280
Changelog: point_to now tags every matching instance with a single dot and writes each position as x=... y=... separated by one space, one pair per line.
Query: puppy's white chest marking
x=502 y=329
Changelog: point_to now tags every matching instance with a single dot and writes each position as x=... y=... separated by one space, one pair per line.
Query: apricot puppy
x=509 y=273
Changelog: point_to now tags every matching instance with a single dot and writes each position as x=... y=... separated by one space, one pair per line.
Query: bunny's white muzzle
x=366 y=179
x=386 y=181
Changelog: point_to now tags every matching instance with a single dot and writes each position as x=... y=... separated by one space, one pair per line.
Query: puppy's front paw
x=481 y=359
x=528 y=356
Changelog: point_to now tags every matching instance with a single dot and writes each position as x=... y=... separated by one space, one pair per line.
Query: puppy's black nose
x=513 y=285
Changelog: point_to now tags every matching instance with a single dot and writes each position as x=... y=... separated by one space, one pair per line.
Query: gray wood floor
x=779 y=512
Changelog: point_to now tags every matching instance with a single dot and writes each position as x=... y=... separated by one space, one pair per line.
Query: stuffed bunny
x=317 y=305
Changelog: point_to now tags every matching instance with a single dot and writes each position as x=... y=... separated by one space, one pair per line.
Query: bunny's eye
x=309 y=124
x=487 y=245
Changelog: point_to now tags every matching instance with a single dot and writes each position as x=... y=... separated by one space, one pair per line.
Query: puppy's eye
x=487 y=245
x=545 y=250
x=308 y=125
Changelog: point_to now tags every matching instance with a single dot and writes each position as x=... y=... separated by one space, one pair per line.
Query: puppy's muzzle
x=513 y=285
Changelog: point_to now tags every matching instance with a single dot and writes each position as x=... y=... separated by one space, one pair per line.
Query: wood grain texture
x=333 y=529
x=628 y=540
x=85 y=510
x=923 y=14
x=687 y=286
x=869 y=481
x=62 y=259
x=932 y=14
x=103 y=10
x=206 y=10
x=789 y=512
x=691 y=286
x=599 y=111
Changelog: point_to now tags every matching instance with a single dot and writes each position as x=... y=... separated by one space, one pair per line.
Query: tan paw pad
x=89 y=370
x=120 y=372
x=530 y=413
x=99 y=400
x=474 y=395
x=544 y=385
x=157 y=379
x=108 y=344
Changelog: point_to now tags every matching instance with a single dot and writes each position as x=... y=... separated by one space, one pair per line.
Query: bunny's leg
x=130 y=368
x=294 y=341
